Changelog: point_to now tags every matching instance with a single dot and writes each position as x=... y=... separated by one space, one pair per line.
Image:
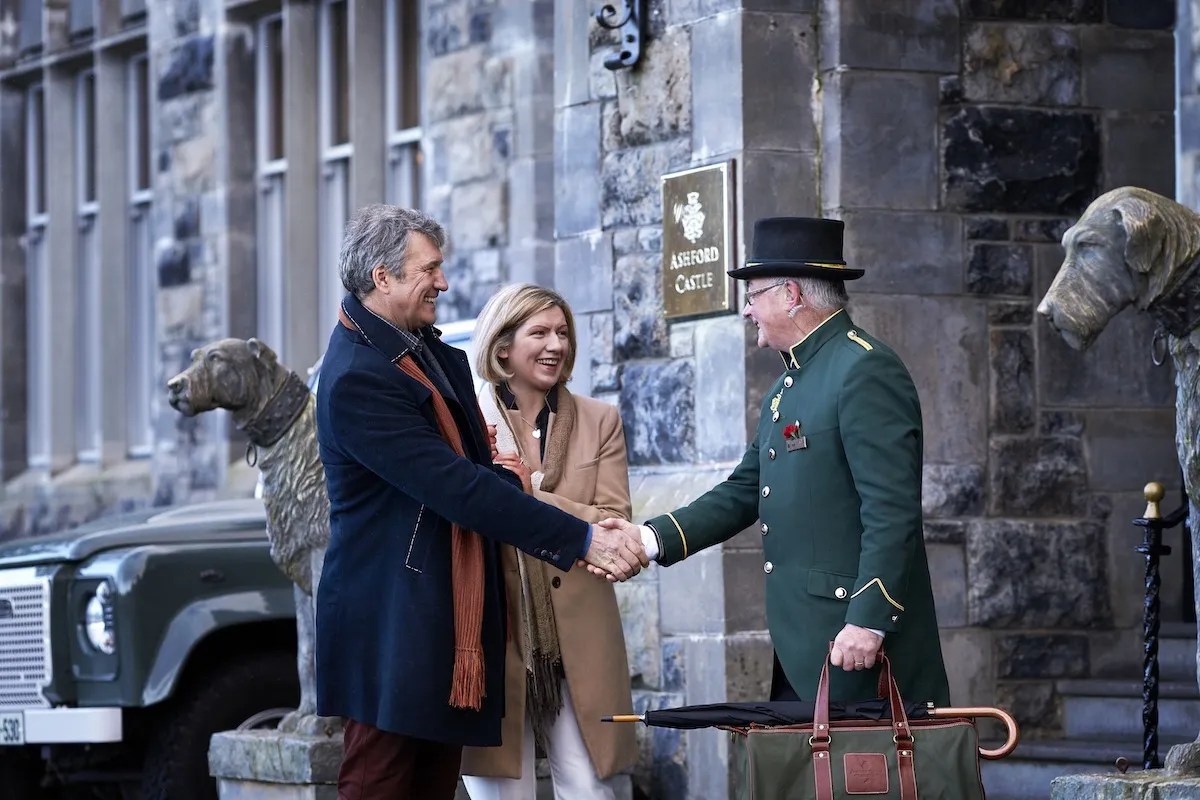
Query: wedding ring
x=860 y=663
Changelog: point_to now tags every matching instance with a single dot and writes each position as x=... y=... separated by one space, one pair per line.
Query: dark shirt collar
x=385 y=337
x=550 y=406
x=802 y=351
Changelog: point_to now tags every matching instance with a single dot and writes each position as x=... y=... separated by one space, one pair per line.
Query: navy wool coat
x=384 y=608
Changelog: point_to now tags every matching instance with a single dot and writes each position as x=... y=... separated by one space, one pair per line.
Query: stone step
x=1176 y=658
x=1113 y=708
x=1026 y=774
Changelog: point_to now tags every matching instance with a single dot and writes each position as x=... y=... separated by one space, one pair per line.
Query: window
x=88 y=354
x=272 y=170
x=336 y=152
x=403 y=38
x=141 y=277
x=35 y=266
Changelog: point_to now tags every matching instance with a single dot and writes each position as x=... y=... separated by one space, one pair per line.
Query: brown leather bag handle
x=901 y=733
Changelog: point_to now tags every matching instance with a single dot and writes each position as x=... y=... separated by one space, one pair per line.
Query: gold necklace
x=536 y=431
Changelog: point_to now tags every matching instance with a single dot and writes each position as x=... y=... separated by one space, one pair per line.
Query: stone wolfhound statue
x=275 y=409
x=1135 y=247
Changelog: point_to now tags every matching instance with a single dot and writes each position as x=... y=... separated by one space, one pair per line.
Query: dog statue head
x=235 y=374
x=1129 y=246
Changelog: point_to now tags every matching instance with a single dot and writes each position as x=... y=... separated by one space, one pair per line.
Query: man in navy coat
x=411 y=618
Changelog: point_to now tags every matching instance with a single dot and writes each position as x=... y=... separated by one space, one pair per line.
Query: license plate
x=12 y=728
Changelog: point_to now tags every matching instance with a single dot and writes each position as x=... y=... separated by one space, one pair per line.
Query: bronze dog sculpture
x=276 y=410
x=1135 y=247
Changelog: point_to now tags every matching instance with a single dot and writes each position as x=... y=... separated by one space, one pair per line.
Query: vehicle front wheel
x=176 y=766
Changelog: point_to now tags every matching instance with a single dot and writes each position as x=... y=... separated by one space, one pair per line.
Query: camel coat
x=594 y=486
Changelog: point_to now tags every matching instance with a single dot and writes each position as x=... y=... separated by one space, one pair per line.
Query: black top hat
x=797 y=247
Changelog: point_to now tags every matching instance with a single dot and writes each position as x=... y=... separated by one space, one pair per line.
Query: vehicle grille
x=24 y=639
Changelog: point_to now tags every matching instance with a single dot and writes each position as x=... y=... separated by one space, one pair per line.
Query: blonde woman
x=565 y=665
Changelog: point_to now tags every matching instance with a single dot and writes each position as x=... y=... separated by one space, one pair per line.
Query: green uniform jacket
x=839 y=502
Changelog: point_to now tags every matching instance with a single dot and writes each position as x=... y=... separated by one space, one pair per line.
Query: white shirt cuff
x=649 y=542
x=877 y=633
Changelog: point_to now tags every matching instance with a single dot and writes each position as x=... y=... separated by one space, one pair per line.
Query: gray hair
x=378 y=234
x=824 y=295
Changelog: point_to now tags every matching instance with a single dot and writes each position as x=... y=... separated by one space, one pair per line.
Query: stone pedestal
x=268 y=765
x=1179 y=778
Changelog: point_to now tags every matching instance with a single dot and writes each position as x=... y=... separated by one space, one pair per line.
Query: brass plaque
x=698 y=241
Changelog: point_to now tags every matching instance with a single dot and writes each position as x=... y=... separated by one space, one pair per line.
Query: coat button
x=556 y=582
x=768 y=567
x=840 y=593
x=775 y=417
x=771 y=453
x=765 y=529
x=766 y=491
x=787 y=381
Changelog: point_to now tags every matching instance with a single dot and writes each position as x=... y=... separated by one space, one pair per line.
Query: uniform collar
x=391 y=341
x=802 y=351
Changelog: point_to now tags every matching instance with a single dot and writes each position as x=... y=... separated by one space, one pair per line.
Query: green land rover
x=126 y=643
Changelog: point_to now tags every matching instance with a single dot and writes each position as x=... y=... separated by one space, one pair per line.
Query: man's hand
x=616 y=553
x=491 y=434
x=855 y=648
x=514 y=463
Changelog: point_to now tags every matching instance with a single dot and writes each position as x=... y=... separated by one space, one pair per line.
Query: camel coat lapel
x=594 y=485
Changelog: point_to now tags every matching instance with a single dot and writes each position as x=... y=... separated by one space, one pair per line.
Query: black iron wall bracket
x=629 y=21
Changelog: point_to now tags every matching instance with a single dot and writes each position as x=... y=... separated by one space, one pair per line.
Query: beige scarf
x=539 y=636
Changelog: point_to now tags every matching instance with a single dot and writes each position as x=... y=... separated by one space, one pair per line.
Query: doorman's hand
x=855 y=648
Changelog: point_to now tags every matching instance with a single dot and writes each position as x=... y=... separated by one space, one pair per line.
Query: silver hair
x=822 y=294
x=378 y=234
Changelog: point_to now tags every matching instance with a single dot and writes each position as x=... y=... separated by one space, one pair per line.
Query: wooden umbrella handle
x=1010 y=724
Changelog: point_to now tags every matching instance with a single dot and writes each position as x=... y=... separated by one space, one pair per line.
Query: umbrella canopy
x=766 y=714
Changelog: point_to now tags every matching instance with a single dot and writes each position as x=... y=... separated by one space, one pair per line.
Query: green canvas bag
x=934 y=758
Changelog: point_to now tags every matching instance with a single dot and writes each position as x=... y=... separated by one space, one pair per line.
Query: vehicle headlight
x=98 y=620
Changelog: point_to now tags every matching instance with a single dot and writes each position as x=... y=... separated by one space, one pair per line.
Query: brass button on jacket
x=840 y=593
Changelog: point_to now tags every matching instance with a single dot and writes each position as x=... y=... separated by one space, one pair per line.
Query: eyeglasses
x=750 y=295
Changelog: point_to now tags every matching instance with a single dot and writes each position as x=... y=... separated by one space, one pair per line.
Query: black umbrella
x=765 y=714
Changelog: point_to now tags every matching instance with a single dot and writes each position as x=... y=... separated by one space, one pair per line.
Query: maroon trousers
x=378 y=765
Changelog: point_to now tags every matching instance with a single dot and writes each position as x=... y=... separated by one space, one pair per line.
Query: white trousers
x=570 y=767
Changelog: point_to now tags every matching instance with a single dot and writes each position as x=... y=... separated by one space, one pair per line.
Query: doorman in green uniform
x=833 y=478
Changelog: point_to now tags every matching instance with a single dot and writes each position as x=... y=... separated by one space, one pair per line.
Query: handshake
x=616 y=552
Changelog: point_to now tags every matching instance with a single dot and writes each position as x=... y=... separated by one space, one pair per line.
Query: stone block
x=719 y=389
x=1036 y=10
x=268 y=756
x=531 y=201
x=189 y=68
x=683 y=339
x=655 y=100
x=968 y=656
x=1036 y=574
x=947 y=563
x=1042 y=655
x=638 y=604
x=583 y=271
x=1021 y=64
x=904 y=252
x=571 y=53
x=1010 y=355
x=640 y=330
x=446 y=27
x=952 y=490
x=661 y=770
x=1127 y=69
x=719 y=86
x=479 y=215
x=455 y=84
x=602 y=81
x=1127 y=448
x=1139 y=151
x=744 y=592
x=691 y=595
x=657 y=407
x=1010 y=312
x=649 y=239
x=942 y=355
x=1061 y=423
x=466 y=147
x=1000 y=269
x=1041 y=229
x=992 y=229
x=577 y=170
x=776 y=114
x=1000 y=159
x=748 y=662
x=944 y=531
x=602 y=338
x=783 y=183
x=630 y=192
x=1148 y=784
x=916 y=35
x=1033 y=477
x=1067 y=377
x=1035 y=704
x=878 y=138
